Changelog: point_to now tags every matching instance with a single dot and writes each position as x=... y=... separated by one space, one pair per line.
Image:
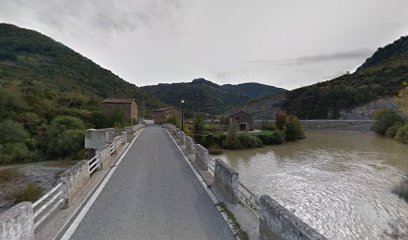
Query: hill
x=205 y=96
x=253 y=90
x=47 y=90
x=381 y=76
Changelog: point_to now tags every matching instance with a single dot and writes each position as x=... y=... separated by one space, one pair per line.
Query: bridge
x=150 y=183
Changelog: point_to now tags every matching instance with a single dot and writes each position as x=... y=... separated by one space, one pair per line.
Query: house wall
x=130 y=110
x=160 y=117
x=134 y=111
x=243 y=118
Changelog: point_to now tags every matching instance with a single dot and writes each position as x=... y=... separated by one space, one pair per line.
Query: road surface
x=153 y=194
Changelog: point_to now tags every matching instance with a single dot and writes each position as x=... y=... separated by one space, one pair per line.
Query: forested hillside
x=49 y=94
x=253 y=90
x=205 y=96
x=382 y=75
x=200 y=95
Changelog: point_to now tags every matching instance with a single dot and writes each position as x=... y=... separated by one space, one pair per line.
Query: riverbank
x=29 y=179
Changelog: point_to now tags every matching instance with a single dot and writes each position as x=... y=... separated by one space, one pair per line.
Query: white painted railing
x=94 y=163
x=47 y=204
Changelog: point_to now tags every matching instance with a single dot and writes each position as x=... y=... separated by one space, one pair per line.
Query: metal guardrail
x=94 y=163
x=47 y=204
x=246 y=197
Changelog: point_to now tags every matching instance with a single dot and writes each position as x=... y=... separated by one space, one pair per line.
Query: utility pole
x=182 y=115
x=144 y=108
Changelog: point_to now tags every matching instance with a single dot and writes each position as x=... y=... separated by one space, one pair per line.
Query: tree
x=385 y=119
x=199 y=125
x=65 y=137
x=280 y=120
x=293 y=129
x=232 y=141
x=173 y=119
x=402 y=99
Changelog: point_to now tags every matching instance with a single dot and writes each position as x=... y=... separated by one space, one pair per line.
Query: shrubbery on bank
x=391 y=124
x=287 y=128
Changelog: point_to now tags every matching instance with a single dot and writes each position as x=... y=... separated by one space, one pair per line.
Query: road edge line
x=94 y=195
x=204 y=184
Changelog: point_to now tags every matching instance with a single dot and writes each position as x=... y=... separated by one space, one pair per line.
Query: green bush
x=31 y=193
x=392 y=131
x=385 y=119
x=293 y=129
x=173 y=119
x=276 y=137
x=249 y=141
x=232 y=141
x=65 y=137
x=402 y=134
x=280 y=120
x=12 y=132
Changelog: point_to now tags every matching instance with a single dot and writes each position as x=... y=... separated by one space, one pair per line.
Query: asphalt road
x=153 y=194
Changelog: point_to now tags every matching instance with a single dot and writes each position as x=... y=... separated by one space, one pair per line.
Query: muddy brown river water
x=340 y=183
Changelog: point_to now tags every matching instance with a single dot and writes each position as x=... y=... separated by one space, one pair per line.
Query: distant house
x=127 y=106
x=243 y=119
x=160 y=115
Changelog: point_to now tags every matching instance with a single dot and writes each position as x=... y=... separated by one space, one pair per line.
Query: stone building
x=243 y=119
x=127 y=106
x=160 y=115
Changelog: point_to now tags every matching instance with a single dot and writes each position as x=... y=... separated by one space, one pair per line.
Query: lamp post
x=182 y=115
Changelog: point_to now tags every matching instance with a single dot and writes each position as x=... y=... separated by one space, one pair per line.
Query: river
x=338 y=182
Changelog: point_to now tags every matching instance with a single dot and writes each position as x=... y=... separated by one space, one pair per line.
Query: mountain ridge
x=202 y=95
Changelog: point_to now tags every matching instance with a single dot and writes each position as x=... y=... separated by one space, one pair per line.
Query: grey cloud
x=349 y=55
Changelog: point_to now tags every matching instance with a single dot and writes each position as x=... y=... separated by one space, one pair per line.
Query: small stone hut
x=160 y=115
x=243 y=119
x=127 y=106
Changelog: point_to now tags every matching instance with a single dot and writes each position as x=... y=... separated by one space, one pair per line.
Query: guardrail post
x=17 y=223
x=202 y=156
x=226 y=180
x=189 y=145
x=276 y=222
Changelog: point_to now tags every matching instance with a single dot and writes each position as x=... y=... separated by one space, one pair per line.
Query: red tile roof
x=164 y=109
x=118 y=100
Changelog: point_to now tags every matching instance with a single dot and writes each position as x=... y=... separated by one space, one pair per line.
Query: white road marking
x=200 y=179
x=204 y=184
x=70 y=231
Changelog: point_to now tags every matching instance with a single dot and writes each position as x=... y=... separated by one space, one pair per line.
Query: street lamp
x=182 y=115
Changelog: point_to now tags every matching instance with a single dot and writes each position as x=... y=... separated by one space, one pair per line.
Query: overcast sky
x=285 y=43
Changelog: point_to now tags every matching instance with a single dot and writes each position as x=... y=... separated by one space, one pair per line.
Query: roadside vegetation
x=49 y=94
x=394 y=124
x=226 y=135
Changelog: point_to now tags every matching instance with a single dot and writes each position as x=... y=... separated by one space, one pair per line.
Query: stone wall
x=75 y=179
x=17 y=223
x=276 y=222
x=202 y=156
x=226 y=180
x=97 y=138
x=105 y=157
x=350 y=125
x=182 y=137
x=190 y=145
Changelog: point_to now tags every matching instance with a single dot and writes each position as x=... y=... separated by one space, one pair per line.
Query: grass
x=265 y=132
x=241 y=234
x=8 y=174
x=31 y=193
